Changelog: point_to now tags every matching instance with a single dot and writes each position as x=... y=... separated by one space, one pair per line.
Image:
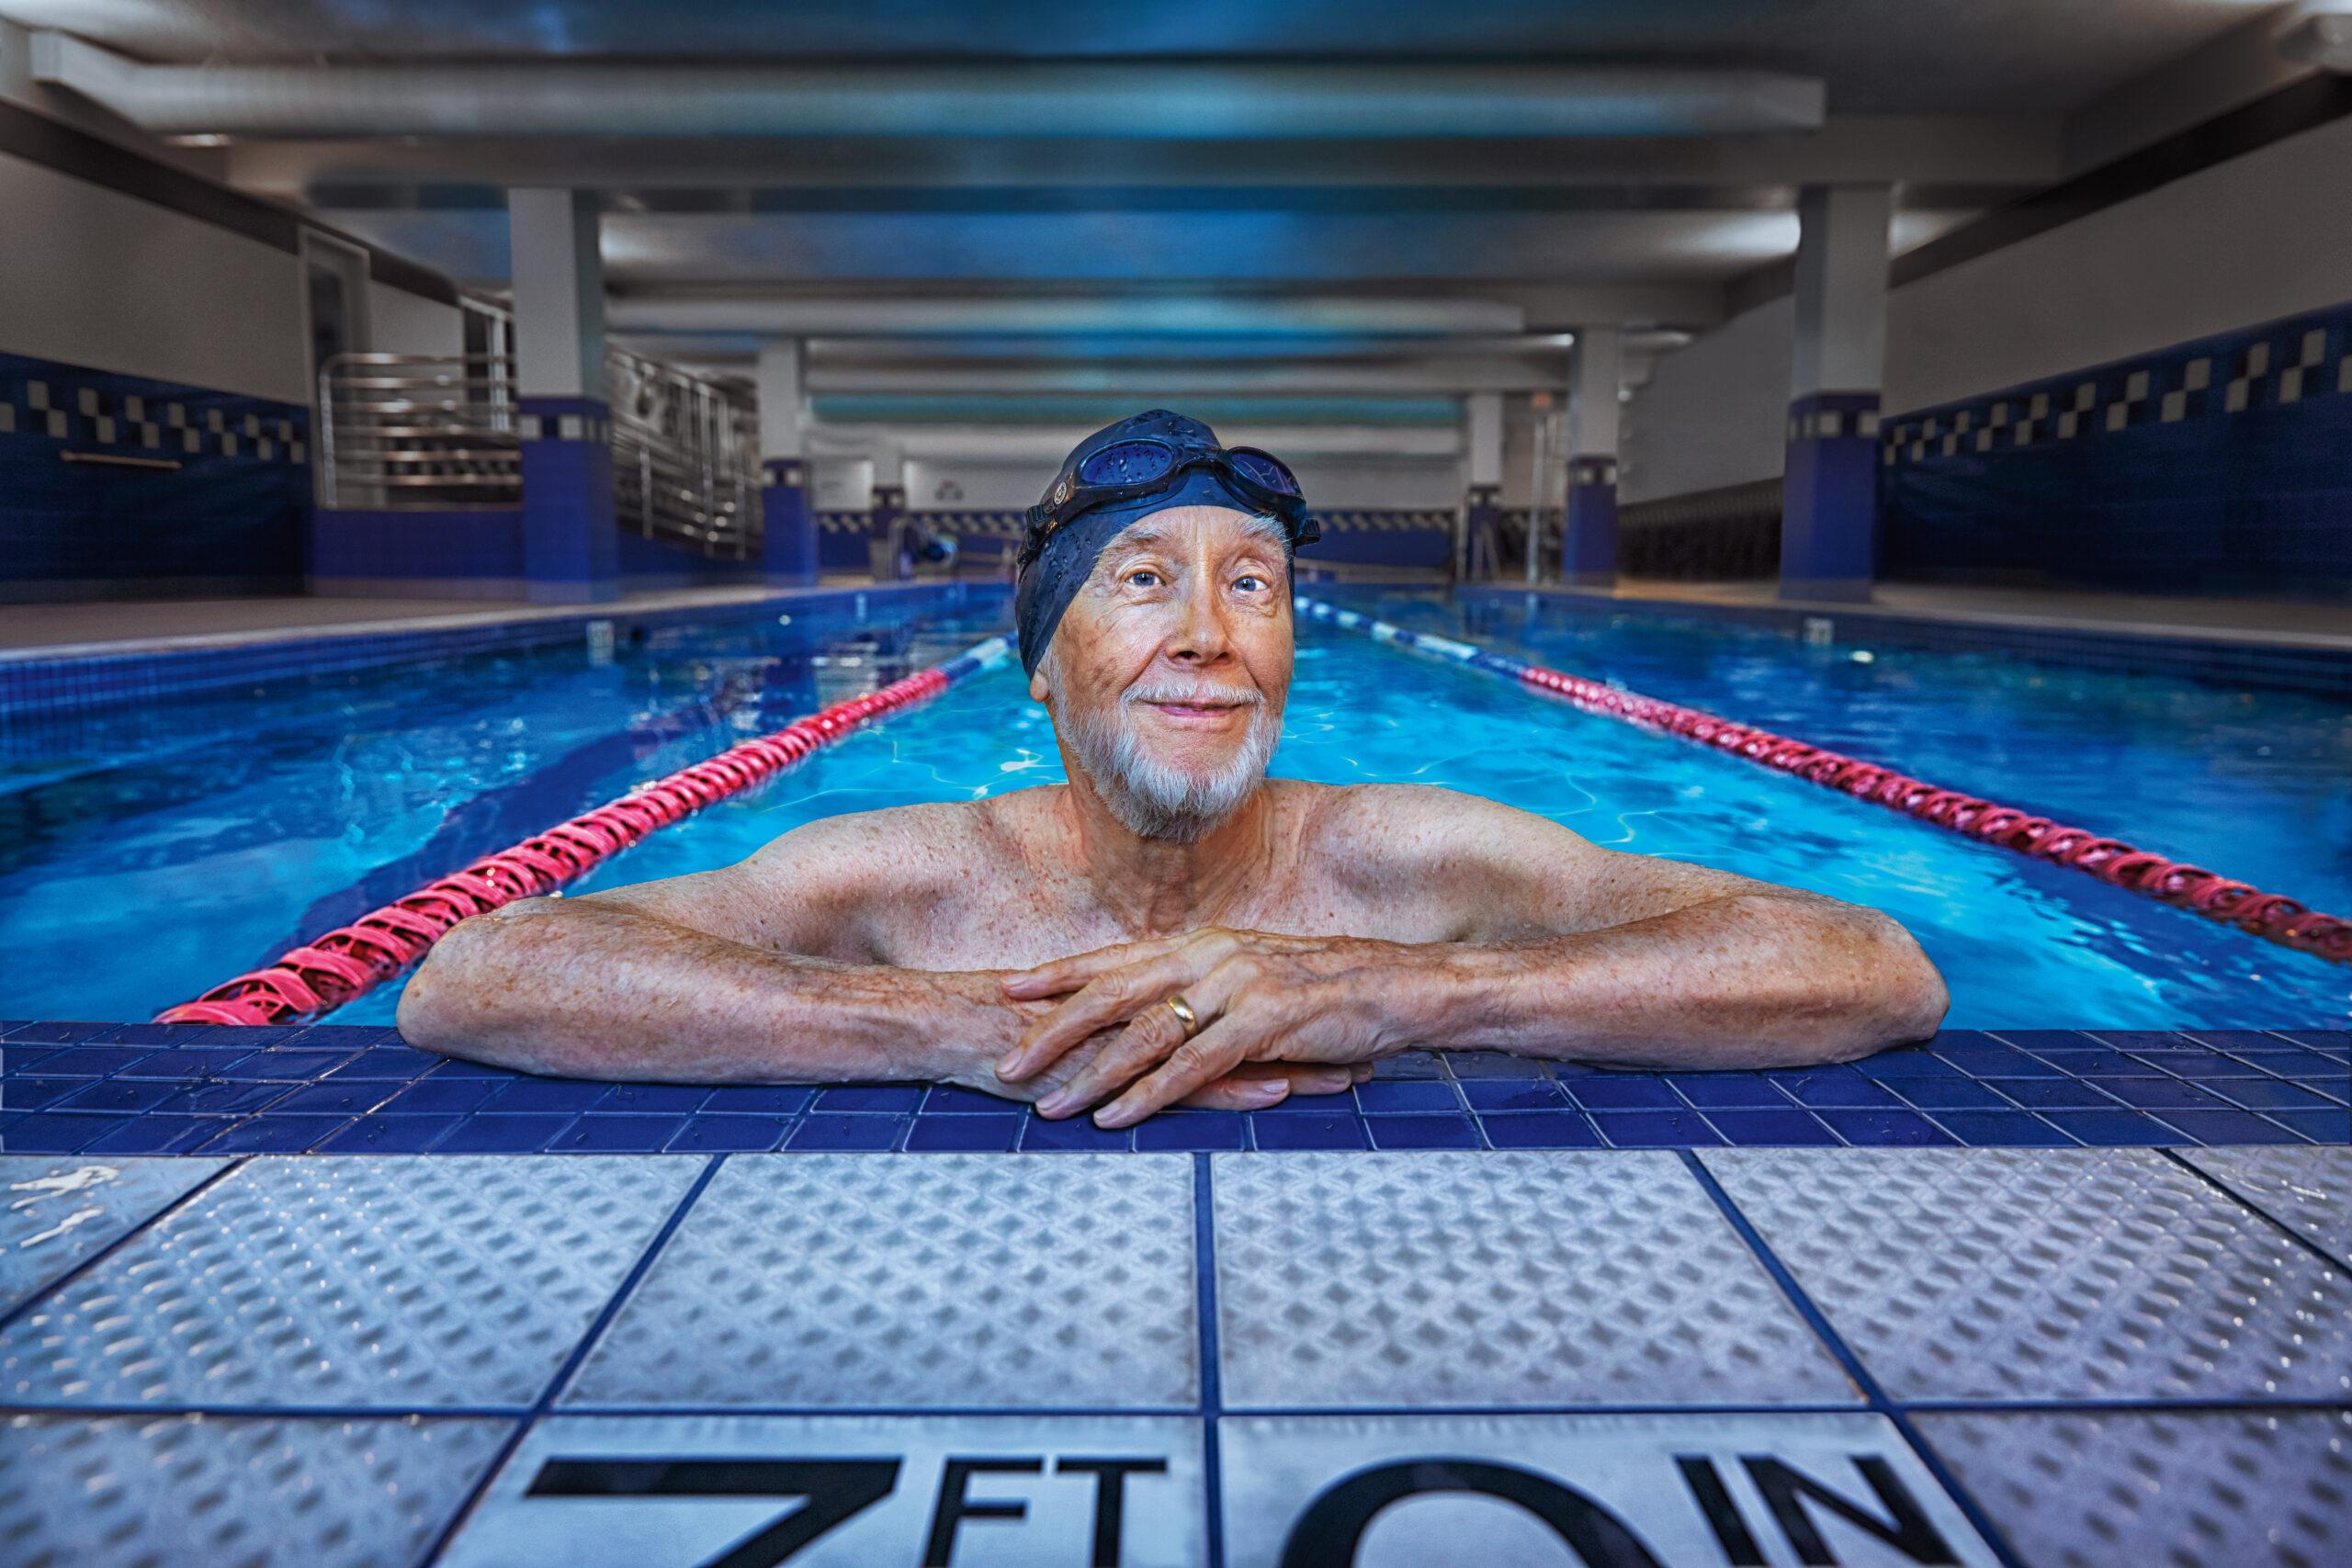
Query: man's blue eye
x=1143 y=579
x=1248 y=582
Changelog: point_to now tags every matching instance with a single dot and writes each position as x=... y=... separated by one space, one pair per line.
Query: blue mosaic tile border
x=2319 y=671
x=31 y=684
x=331 y=1088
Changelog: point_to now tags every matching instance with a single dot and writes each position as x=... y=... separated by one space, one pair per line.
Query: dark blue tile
x=2269 y=1094
x=392 y=1063
x=546 y=1097
x=1624 y=1094
x=1383 y=1096
x=2319 y=1126
x=57 y=1132
x=2002 y=1129
x=2116 y=1127
x=2204 y=1065
x=2142 y=1041
x=1949 y=1094
x=1409 y=1064
x=1911 y=1062
x=1785 y=1125
x=286 y=1067
x=54 y=1033
x=2057 y=1094
x=1954 y=1043
x=949 y=1100
x=2227 y=1127
x=848 y=1131
x=1074 y=1135
x=707 y=1135
x=1540 y=1130
x=1729 y=1091
x=225 y=1098
x=274 y=1135
x=2038 y=1040
x=2161 y=1094
x=758 y=1100
x=871 y=1097
x=653 y=1098
x=122 y=1095
x=340 y=1036
x=2336 y=1042
x=1323 y=1130
x=1883 y=1129
x=1656 y=1129
x=184 y=1063
x=619 y=1134
x=85 y=1062
x=1494 y=1064
x=156 y=1136
x=2101 y=1065
x=439 y=1094
x=1514 y=1094
x=1195 y=1130
x=31 y=1094
x=388 y=1135
x=346 y=1099
x=474 y=1070
x=1819 y=1087
x=1423 y=1132
x=163 y=1035
x=966 y=1132
x=2012 y=1064
x=491 y=1134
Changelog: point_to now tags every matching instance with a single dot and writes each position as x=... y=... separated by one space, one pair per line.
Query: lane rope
x=2152 y=875
x=315 y=979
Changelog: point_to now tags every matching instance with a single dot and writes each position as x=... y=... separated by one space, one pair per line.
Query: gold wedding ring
x=1184 y=1015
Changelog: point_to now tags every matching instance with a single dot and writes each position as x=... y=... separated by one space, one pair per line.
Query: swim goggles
x=1147 y=465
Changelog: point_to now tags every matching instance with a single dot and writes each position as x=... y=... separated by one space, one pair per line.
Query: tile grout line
x=2199 y=1173
x=1873 y=1395
x=1212 y=1386
x=539 y=1407
x=9 y=1318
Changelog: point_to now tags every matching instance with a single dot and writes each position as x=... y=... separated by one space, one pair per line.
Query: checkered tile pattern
x=94 y=411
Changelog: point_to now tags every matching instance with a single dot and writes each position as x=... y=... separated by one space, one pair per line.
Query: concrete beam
x=1050 y=444
x=775 y=314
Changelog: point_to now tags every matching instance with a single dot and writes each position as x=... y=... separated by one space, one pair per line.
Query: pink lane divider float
x=350 y=961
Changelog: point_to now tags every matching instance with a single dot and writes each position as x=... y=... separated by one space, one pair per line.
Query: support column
x=788 y=537
x=571 y=543
x=1478 y=553
x=1589 y=544
x=1829 y=495
x=886 y=512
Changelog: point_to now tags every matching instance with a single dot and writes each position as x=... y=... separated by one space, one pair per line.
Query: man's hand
x=1261 y=998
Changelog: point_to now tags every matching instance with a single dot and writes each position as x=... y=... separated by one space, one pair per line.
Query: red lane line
x=350 y=961
x=2191 y=888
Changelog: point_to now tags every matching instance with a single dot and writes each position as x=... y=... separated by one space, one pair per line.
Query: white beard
x=1153 y=799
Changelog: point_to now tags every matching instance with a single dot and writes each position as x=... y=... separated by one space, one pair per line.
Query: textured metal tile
x=1347 y=1280
x=367 y=1281
x=1480 y=1489
x=887 y=1478
x=2308 y=1189
x=56 y=1210
x=2047 y=1274
x=884 y=1282
x=156 y=1492
x=2245 y=1489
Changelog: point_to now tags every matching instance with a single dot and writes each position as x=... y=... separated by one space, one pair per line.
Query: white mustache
x=1196 y=696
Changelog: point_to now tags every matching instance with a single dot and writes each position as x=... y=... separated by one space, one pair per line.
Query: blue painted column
x=1829 y=512
x=570 y=540
x=1829 y=497
x=789 y=540
x=1588 y=548
x=1588 y=535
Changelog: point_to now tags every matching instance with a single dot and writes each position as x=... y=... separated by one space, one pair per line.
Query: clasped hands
x=1274 y=1015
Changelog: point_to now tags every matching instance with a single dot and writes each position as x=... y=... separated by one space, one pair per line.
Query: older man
x=1171 y=925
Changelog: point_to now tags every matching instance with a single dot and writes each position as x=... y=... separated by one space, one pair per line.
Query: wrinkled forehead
x=1187 y=533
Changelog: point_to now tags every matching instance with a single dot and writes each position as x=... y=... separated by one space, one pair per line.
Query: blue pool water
x=145 y=855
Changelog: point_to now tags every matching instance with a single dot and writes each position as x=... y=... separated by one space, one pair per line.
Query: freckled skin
x=1026 y=944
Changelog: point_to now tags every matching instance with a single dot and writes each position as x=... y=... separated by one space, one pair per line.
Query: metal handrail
x=422 y=433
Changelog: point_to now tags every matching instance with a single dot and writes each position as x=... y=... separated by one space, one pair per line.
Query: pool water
x=144 y=856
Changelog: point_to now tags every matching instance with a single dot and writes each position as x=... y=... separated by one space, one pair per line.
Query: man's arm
x=755 y=973
x=1565 y=950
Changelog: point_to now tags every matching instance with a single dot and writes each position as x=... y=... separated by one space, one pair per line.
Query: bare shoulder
x=897 y=850
x=1392 y=836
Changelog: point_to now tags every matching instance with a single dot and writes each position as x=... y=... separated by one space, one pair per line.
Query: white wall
x=1362 y=482
x=1713 y=412
x=2260 y=237
x=402 y=323
x=93 y=278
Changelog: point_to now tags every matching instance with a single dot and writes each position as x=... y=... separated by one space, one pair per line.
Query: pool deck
x=1497 y=1302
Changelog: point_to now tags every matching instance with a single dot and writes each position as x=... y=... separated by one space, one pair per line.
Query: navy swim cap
x=1066 y=557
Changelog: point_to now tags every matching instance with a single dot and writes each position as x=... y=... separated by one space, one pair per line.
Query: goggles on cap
x=1147 y=465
